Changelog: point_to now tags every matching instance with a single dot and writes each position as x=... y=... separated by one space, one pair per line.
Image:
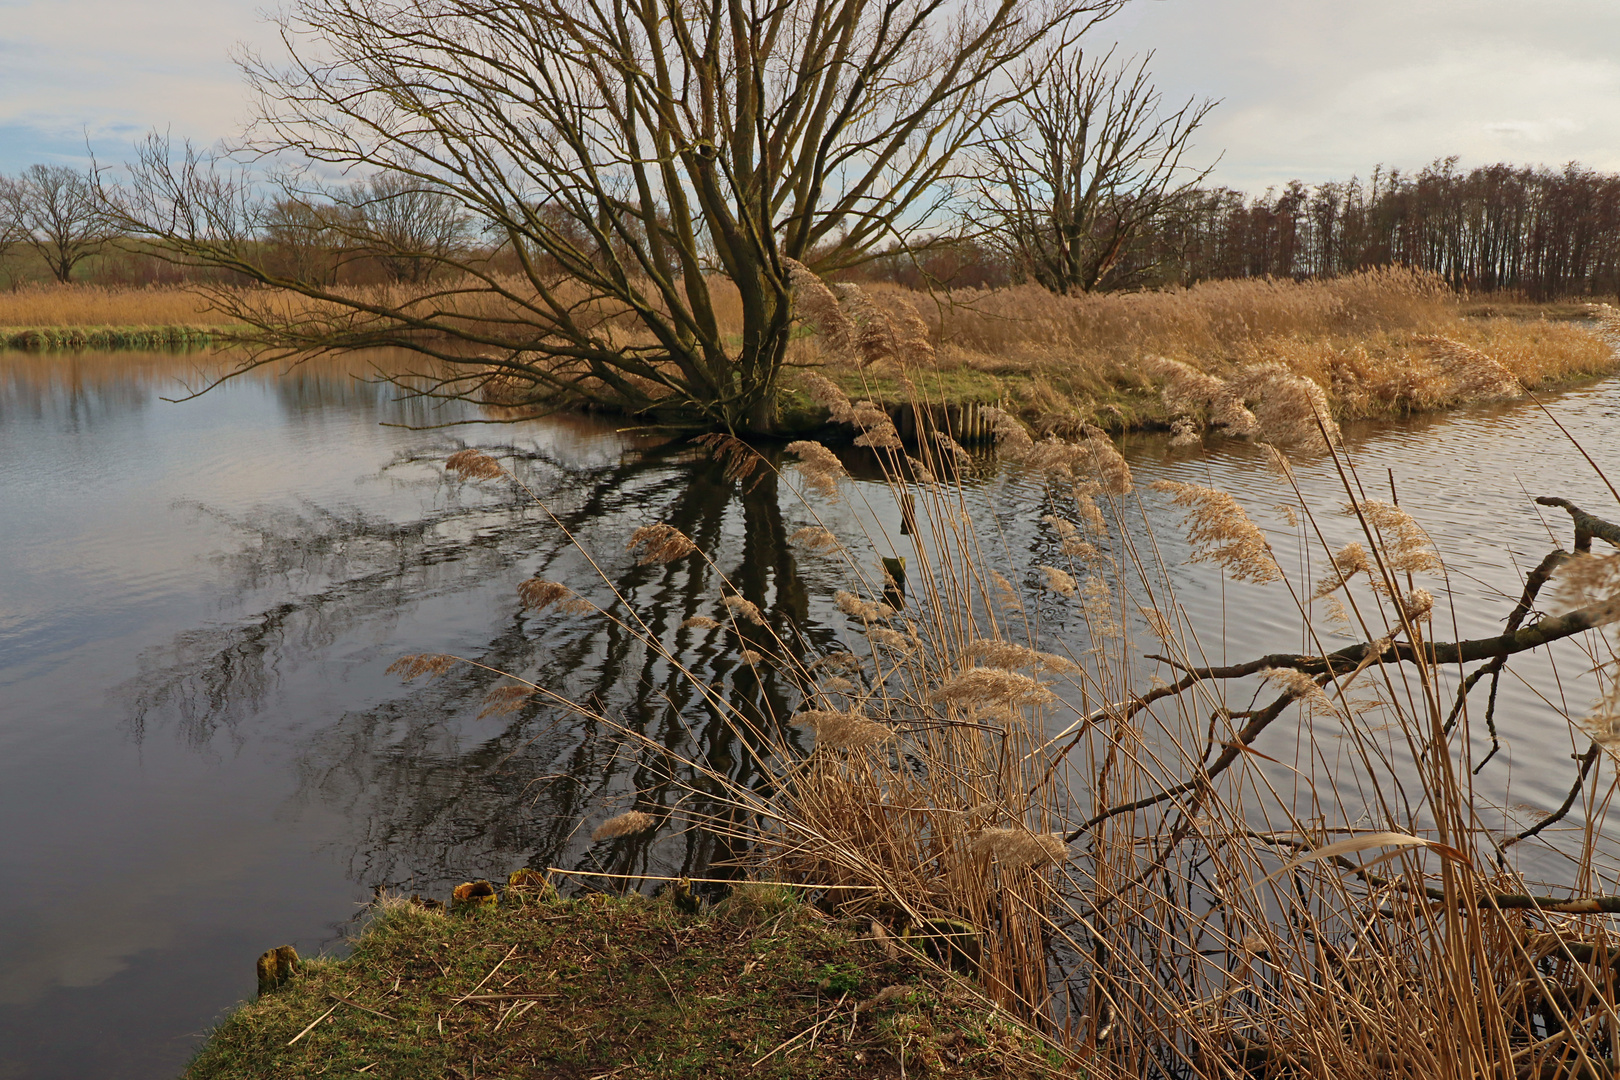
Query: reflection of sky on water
x=198 y=603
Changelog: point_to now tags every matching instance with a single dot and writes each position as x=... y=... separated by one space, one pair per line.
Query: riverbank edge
x=1131 y=403
x=759 y=985
x=169 y=336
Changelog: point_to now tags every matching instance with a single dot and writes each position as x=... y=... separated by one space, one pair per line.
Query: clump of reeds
x=1278 y=865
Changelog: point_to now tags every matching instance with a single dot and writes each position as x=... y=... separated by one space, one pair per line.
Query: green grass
x=47 y=338
x=602 y=983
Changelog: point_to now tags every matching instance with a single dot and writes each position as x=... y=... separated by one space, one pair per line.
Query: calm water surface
x=202 y=755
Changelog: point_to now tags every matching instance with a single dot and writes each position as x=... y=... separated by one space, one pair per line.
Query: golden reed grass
x=93 y=305
x=1378 y=343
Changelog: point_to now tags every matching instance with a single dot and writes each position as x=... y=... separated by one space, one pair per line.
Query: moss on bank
x=760 y=986
x=47 y=338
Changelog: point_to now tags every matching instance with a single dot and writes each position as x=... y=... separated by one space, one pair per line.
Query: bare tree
x=1081 y=163
x=409 y=227
x=651 y=169
x=51 y=209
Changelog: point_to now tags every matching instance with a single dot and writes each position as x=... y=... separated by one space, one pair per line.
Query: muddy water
x=201 y=751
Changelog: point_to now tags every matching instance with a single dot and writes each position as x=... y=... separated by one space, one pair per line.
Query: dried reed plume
x=1222 y=533
x=1012 y=438
x=429 y=664
x=1289 y=408
x=538 y=594
x=746 y=608
x=1348 y=561
x=1418 y=605
x=815 y=304
x=1588 y=579
x=505 y=699
x=843 y=730
x=1299 y=687
x=875 y=337
x=661 y=543
x=473 y=465
x=1406 y=548
x=990 y=686
x=751 y=656
x=911 y=334
x=890 y=639
x=1471 y=375
x=993 y=652
x=1106 y=464
x=1016 y=848
x=1085 y=504
x=625 y=824
x=701 y=622
x=817 y=539
x=819 y=466
x=741 y=463
x=953 y=450
x=864 y=610
x=1190 y=396
x=1056 y=580
x=877 y=430
x=824 y=392
x=1004 y=589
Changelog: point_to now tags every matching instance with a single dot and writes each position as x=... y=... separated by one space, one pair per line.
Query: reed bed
x=1380 y=343
x=102 y=306
x=1173 y=868
x=1375 y=341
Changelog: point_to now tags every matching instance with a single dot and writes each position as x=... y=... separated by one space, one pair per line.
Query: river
x=202 y=754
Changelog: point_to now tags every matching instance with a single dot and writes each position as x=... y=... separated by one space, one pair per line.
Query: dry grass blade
x=1359 y=843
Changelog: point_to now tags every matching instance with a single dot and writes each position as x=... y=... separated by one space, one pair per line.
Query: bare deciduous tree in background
x=409 y=227
x=644 y=162
x=52 y=209
x=1082 y=162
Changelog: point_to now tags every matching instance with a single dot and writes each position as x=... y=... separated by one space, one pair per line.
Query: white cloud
x=1311 y=89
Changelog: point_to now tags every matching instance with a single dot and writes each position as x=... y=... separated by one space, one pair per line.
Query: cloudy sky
x=1313 y=89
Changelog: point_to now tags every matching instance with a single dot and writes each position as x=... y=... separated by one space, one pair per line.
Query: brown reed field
x=1380 y=343
x=1375 y=342
x=94 y=305
x=1280 y=866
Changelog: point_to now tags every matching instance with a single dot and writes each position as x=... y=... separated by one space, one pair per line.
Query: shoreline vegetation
x=139 y=336
x=1135 y=885
x=758 y=985
x=1380 y=344
x=1114 y=864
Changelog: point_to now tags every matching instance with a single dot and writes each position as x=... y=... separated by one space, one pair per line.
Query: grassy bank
x=49 y=338
x=760 y=986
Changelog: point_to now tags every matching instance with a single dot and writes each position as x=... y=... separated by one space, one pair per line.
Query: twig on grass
x=362 y=1008
x=312 y=1024
x=485 y=979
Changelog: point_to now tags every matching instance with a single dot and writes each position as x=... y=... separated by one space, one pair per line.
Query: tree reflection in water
x=437 y=793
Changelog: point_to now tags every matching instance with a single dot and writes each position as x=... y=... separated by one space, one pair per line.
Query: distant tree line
x=1540 y=232
x=1544 y=232
x=1534 y=230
